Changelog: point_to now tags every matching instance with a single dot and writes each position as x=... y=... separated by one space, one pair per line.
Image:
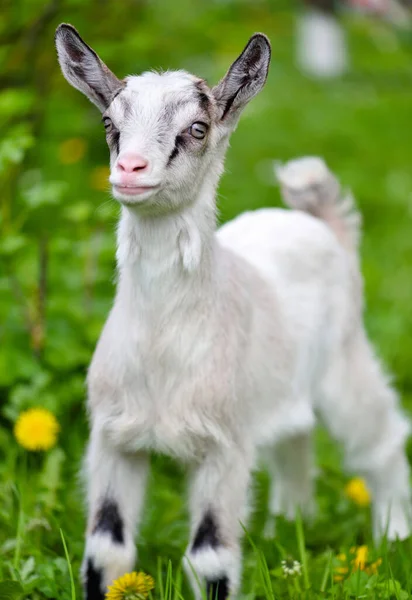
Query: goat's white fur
x=221 y=343
x=239 y=353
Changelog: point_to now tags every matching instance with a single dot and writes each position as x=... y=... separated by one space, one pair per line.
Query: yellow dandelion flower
x=358 y=561
x=357 y=491
x=361 y=557
x=340 y=574
x=373 y=567
x=36 y=429
x=342 y=568
x=99 y=179
x=131 y=586
x=72 y=150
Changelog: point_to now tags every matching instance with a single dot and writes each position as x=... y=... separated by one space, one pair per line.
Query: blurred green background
x=57 y=220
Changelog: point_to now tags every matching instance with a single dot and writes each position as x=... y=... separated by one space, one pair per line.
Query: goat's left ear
x=83 y=69
x=245 y=78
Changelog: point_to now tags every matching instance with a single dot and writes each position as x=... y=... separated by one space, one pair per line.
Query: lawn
x=57 y=271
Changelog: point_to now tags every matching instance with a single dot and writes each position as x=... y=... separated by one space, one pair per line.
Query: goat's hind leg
x=290 y=465
x=361 y=410
x=116 y=486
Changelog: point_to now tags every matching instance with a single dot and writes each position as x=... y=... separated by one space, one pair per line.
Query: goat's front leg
x=218 y=509
x=116 y=484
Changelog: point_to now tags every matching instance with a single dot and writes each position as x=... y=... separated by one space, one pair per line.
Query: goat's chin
x=157 y=201
x=142 y=196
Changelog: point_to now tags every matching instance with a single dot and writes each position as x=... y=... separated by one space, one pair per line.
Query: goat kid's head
x=165 y=131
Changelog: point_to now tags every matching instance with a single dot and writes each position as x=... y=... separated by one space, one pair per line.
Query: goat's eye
x=198 y=130
x=107 y=122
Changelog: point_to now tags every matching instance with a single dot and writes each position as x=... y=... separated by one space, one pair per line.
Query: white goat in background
x=219 y=343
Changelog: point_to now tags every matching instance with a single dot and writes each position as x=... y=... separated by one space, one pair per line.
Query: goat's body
x=310 y=279
x=243 y=355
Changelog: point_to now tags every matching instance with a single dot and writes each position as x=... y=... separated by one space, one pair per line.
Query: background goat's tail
x=308 y=185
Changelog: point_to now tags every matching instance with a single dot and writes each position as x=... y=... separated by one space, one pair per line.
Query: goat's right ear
x=83 y=69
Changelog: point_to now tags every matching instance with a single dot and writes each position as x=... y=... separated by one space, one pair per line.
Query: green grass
x=362 y=125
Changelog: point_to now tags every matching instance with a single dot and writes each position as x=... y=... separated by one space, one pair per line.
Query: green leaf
x=50 y=479
x=10 y=590
x=12 y=243
x=14 y=145
x=356 y=583
x=27 y=568
x=44 y=194
x=394 y=588
x=15 y=102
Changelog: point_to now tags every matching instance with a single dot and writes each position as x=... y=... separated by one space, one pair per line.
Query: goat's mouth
x=120 y=191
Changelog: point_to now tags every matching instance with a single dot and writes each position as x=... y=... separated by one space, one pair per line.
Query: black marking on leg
x=93 y=586
x=109 y=521
x=217 y=589
x=207 y=534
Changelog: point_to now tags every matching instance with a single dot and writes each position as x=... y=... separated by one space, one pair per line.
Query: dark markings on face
x=126 y=106
x=179 y=144
x=200 y=95
x=204 y=101
x=93 y=584
x=170 y=110
x=203 y=96
x=217 y=589
x=108 y=520
x=116 y=140
x=207 y=534
x=113 y=140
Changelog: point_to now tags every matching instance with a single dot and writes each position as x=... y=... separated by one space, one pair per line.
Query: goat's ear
x=245 y=78
x=83 y=69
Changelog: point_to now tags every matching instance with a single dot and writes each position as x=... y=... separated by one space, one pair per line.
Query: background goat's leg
x=290 y=464
x=218 y=508
x=361 y=410
x=321 y=42
x=116 y=484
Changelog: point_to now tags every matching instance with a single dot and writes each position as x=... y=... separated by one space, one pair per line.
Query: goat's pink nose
x=131 y=163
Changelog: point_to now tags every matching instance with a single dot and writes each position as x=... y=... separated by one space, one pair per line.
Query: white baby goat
x=219 y=343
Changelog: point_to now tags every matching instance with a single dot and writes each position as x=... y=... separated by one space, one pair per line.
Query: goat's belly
x=184 y=440
x=184 y=436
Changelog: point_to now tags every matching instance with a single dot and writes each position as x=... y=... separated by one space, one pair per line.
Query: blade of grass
x=19 y=536
x=326 y=571
x=160 y=579
x=69 y=564
x=177 y=592
x=168 y=586
x=301 y=546
x=263 y=567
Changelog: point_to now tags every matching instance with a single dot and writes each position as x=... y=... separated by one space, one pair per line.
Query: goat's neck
x=167 y=254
